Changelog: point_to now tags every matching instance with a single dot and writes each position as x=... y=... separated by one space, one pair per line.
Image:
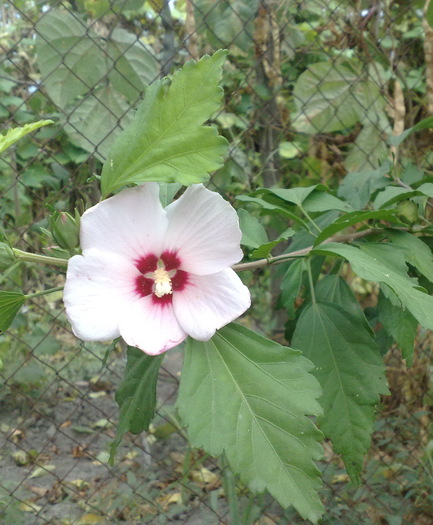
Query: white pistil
x=162 y=282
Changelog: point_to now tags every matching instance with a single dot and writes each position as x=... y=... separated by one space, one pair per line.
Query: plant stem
x=37 y=258
x=310 y=281
x=230 y=492
x=261 y=263
x=44 y=292
x=307 y=215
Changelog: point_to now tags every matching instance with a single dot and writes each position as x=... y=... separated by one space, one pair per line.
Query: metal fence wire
x=312 y=88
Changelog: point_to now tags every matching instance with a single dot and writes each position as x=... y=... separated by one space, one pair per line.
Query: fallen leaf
x=79 y=451
x=164 y=431
x=96 y=395
x=102 y=457
x=57 y=493
x=340 y=478
x=40 y=491
x=266 y=521
x=88 y=519
x=42 y=471
x=131 y=454
x=99 y=384
x=17 y=435
x=168 y=499
x=204 y=475
x=177 y=457
x=21 y=458
x=29 y=506
x=80 y=484
x=102 y=423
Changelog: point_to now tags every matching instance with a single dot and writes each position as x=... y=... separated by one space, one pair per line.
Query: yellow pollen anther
x=162 y=282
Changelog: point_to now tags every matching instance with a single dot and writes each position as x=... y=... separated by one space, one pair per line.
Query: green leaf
x=429 y=16
x=250 y=398
x=386 y=269
x=264 y=250
x=396 y=140
x=167 y=192
x=120 y=6
x=227 y=23
x=167 y=140
x=394 y=194
x=400 y=324
x=118 y=61
x=357 y=187
x=294 y=195
x=368 y=149
x=253 y=233
x=426 y=189
x=390 y=255
x=132 y=66
x=335 y=290
x=413 y=175
x=352 y=375
x=136 y=395
x=69 y=57
x=289 y=150
x=108 y=73
x=417 y=253
x=270 y=206
x=93 y=127
x=320 y=201
x=15 y=134
x=349 y=219
x=326 y=99
x=95 y=9
x=291 y=286
x=10 y=304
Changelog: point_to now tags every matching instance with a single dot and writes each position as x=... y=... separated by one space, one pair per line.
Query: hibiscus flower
x=155 y=275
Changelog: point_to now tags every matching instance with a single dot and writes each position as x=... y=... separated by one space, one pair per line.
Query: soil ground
x=54 y=460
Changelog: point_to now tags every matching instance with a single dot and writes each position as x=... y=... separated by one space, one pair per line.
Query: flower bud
x=407 y=211
x=7 y=256
x=66 y=229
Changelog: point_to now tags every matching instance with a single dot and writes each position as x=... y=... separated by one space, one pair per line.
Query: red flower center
x=160 y=277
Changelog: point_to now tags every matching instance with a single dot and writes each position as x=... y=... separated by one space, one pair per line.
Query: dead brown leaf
x=79 y=451
x=40 y=491
x=17 y=435
x=57 y=493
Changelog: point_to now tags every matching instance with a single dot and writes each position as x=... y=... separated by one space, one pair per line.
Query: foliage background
x=312 y=89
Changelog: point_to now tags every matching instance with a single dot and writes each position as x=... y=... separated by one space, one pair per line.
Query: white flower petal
x=210 y=302
x=98 y=288
x=204 y=231
x=132 y=223
x=151 y=327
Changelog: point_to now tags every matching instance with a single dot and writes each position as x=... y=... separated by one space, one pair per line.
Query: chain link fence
x=312 y=90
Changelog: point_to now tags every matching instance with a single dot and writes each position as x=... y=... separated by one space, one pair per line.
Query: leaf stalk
x=44 y=292
x=278 y=259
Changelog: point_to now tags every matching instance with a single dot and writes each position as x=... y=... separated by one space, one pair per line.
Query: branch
x=37 y=258
x=261 y=263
